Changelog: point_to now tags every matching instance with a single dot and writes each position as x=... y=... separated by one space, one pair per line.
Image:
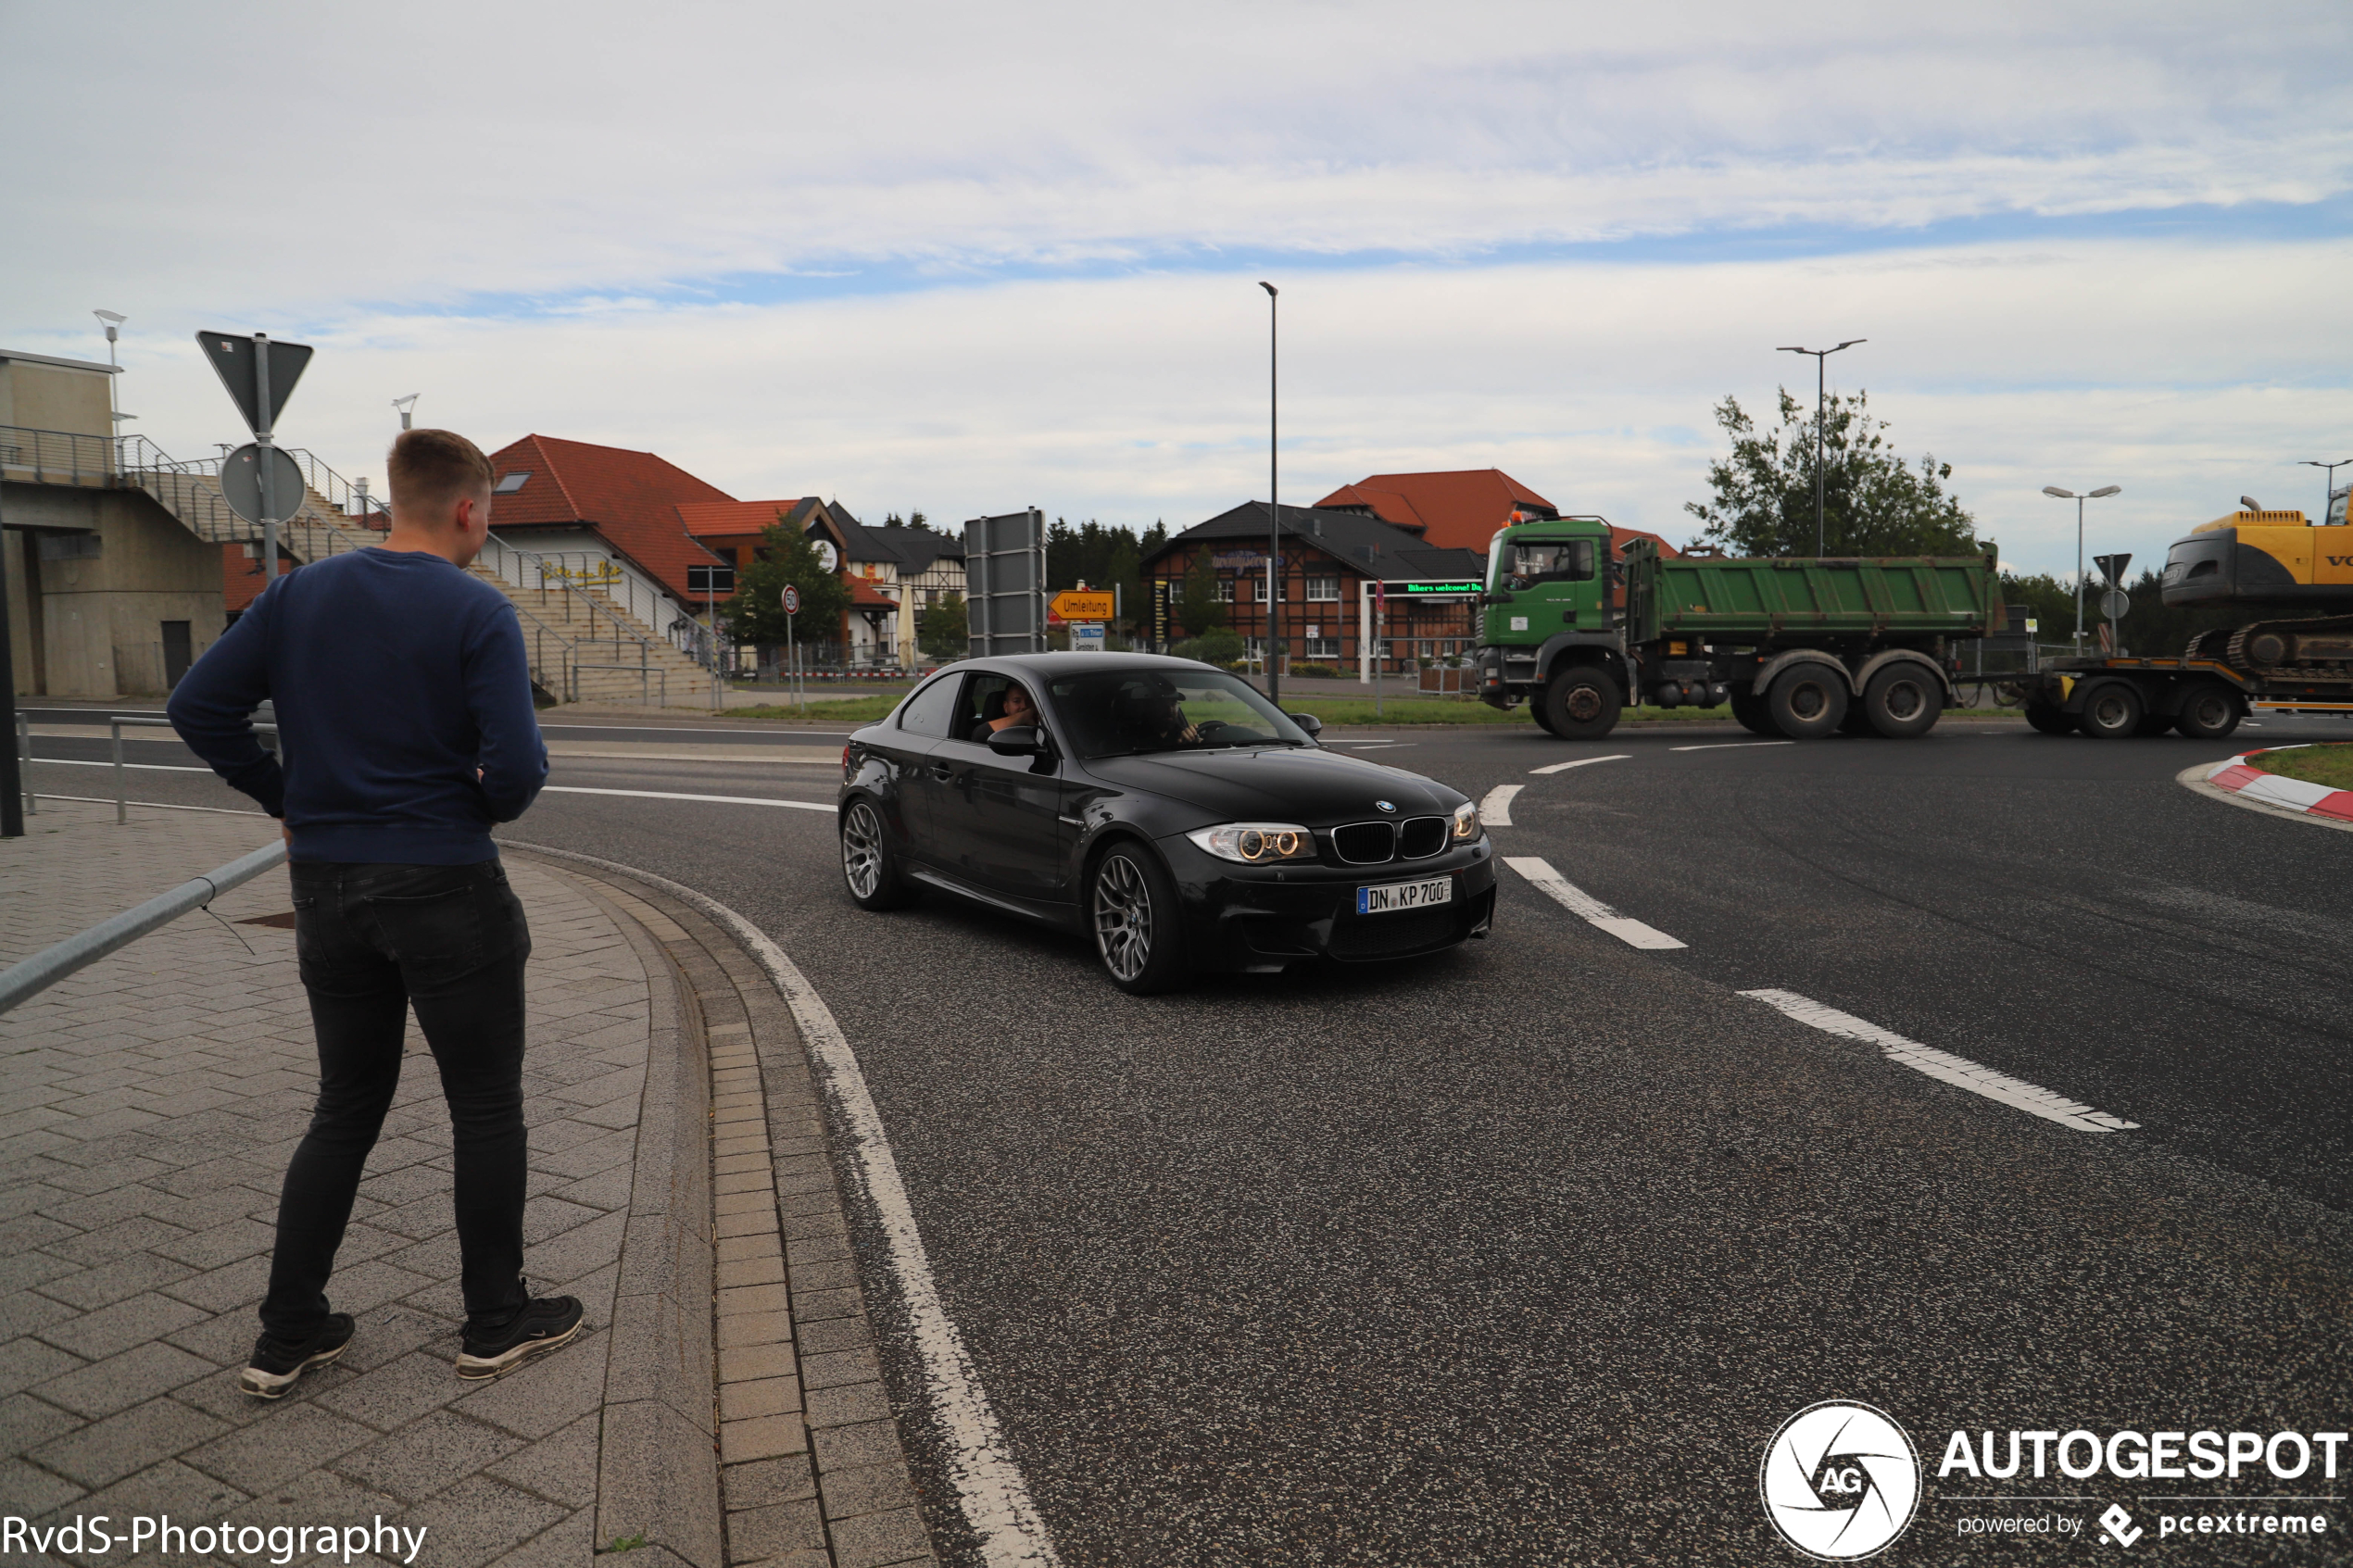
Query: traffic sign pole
x=268 y=478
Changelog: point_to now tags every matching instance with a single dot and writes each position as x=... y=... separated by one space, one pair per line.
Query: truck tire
x=2044 y=719
x=1903 y=701
x=1536 y=712
x=1808 y=700
x=2111 y=710
x=2209 y=711
x=1749 y=709
x=1581 y=703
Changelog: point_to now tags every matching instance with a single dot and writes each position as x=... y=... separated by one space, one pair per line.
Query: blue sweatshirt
x=396 y=675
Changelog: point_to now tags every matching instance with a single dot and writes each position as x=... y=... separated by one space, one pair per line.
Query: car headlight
x=1256 y=844
x=1465 y=822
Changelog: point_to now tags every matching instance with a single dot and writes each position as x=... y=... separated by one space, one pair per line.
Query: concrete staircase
x=583 y=647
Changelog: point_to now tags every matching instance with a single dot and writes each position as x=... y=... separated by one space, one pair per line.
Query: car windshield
x=1123 y=712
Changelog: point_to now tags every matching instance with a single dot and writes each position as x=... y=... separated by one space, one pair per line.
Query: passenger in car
x=1005 y=710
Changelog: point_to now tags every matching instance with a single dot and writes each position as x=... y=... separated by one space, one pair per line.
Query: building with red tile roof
x=1458 y=508
x=554 y=496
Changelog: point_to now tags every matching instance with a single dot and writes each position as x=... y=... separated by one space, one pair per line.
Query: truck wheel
x=1902 y=702
x=2043 y=718
x=1808 y=700
x=1750 y=710
x=1536 y=712
x=2209 y=712
x=2111 y=712
x=1581 y=704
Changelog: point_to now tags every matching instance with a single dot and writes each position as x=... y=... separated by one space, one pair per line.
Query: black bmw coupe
x=1162 y=808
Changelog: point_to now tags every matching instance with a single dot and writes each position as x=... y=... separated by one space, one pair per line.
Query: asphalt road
x=1522 y=1253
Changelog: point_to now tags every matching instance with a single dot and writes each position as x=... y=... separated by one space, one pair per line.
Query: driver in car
x=1164 y=720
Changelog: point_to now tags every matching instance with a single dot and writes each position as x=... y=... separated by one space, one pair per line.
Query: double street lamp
x=2328 y=495
x=2079 y=498
x=1821 y=402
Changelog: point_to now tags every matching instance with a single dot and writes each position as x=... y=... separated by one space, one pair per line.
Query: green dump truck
x=1799 y=647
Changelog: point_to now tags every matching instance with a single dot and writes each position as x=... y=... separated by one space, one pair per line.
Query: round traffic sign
x=2115 y=604
x=241 y=481
x=792 y=599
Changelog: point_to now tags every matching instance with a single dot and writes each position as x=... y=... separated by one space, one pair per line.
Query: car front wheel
x=869 y=863
x=1131 y=908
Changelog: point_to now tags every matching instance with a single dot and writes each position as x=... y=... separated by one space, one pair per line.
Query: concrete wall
x=95 y=623
x=38 y=397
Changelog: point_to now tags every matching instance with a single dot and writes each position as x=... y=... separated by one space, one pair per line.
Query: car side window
x=932 y=711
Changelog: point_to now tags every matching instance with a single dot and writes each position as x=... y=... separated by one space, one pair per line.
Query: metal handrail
x=536 y=564
x=637 y=593
x=59 y=457
x=643 y=672
x=52 y=964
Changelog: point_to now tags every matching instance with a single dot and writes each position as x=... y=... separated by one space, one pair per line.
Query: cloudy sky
x=968 y=259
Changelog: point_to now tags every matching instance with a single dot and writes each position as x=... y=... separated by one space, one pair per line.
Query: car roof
x=1064 y=663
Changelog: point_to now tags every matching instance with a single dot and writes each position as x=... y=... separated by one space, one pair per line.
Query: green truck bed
x=1717 y=599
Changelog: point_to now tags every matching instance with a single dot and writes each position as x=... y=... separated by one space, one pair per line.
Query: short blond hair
x=433 y=469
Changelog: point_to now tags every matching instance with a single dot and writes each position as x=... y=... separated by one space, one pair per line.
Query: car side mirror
x=1017 y=740
x=1307 y=721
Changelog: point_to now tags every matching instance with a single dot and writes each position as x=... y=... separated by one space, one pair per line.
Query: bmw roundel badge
x=1385 y=806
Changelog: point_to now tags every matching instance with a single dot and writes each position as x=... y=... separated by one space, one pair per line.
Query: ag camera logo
x=1840 y=1480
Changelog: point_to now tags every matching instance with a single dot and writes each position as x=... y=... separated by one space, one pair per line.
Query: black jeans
x=373 y=940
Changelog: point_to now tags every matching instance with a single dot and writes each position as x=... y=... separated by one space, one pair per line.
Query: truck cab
x=1552 y=589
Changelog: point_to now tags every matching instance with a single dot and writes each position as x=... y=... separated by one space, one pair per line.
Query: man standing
x=403 y=699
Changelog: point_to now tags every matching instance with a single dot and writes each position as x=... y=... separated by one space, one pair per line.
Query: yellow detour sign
x=1072 y=605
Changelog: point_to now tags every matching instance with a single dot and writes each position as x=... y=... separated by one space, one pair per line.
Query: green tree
x=1199 y=612
x=913 y=520
x=756 y=613
x=946 y=633
x=1873 y=503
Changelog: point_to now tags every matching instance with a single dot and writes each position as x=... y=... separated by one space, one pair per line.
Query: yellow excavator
x=2298 y=660
x=2265 y=560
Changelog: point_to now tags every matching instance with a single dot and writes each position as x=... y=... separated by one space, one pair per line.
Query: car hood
x=1312 y=787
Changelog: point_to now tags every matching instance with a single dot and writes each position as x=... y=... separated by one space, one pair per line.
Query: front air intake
x=1420 y=837
x=1365 y=844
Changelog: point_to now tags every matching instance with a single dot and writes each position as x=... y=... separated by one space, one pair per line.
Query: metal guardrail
x=50 y=965
x=642 y=672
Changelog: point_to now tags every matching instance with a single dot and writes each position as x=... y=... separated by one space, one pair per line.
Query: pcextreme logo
x=1840 y=1480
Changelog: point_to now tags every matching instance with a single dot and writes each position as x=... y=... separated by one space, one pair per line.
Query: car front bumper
x=1266 y=918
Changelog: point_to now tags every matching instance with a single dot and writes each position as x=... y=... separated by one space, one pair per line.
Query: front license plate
x=1391 y=896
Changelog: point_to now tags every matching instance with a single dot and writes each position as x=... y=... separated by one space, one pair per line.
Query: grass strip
x=2329 y=763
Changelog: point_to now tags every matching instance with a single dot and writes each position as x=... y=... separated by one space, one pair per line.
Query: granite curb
x=810 y=1470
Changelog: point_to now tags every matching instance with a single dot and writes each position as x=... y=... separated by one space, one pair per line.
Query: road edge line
x=1495 y=811
x=991 y=1492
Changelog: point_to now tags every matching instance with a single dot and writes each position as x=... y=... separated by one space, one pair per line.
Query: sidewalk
x=148 y=1109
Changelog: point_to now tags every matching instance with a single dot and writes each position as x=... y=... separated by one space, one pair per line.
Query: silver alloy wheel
x=1123 y=917
x=862 y=851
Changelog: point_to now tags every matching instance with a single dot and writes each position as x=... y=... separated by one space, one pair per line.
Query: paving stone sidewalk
x=148 y=1109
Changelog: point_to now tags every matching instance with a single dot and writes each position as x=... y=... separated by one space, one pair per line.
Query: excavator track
x=2321 y=646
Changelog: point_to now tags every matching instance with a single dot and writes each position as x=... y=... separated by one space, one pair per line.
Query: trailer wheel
x=1902 y=703
x=1581 y=703
x=2209 y=711
x=2043 y=718
x=1808 y=700
x=2111 y=712
x=1752 y=715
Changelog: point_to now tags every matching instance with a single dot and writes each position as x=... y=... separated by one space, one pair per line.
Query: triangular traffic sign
x=2113 y=566
x=233 y=360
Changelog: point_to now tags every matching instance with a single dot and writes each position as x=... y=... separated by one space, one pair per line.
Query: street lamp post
x=112 y=320
x=1273 y=506
x=2328 y=493
x=1821 y=391
x=408 y=407
x=2102 y=492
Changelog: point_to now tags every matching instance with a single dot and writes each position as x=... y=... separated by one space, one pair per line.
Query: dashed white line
x=1496 y=809
x=1579 y=902
x=1730 y=745
x=1581 y=761
x=1945 y=1067
x=713 y=800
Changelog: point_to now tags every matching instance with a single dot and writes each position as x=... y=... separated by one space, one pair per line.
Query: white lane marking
x=664 y=795
x=1942 y=1066
x=143 y=767
x=1579 y=902
x=995 y=1499
x=1730 y=745
x=1496 y=809
x=1583 y=761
